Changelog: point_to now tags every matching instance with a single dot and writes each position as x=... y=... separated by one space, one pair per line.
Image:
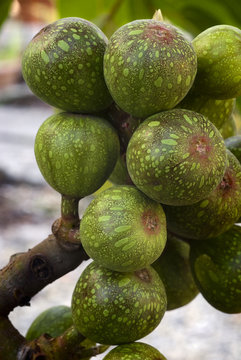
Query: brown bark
x=28 y=273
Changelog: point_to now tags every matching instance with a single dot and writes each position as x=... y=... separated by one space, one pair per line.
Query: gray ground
x=27 y=210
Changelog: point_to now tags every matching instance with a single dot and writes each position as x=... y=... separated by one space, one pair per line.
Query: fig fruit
x=134 y=351
x=176 y=157
x=123 y=230
x=149 y=66
x=76 y=153
x=110 y=307
x=63 y=66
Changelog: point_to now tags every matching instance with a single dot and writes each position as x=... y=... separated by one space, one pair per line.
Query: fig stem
x=158 y=15
x=69 y=210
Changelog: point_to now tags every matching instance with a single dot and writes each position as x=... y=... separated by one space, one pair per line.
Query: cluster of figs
x=149 y=110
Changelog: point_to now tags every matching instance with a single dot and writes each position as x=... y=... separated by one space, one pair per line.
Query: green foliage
x=192 y=15
x=4 y=9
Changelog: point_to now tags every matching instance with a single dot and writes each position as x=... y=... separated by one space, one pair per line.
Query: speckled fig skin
x=173 y=267
x=53 y=321
x=217 y=111
x=218 y=62
x=229 y=128
x=148 y=66
x=216 y=266
x=123 y=230
x=63 y=66
x=176 y=157
x=214 y=214
x=233 y=143
x=134 y=351
x=110 y=307
x=76 y=153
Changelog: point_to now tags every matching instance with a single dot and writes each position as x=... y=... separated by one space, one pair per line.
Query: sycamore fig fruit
x=217 y=111
x=110 y=307
x=214 y=214
x=123 y=230
x=53 y=321
x=233 y=143
x=134 y=351
x=120 y=175
x=173 y=267
x=63 y=66
x=216 y=267
x=228 y=128
x=218 y=62
x=176 y=157
x=148 y=66
x=76 y=153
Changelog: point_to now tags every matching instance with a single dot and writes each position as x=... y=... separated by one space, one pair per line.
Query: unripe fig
x=110 y=307
x=176 y=157
x=233 y=143
x=76 y=153
x=134 y=351
x=63 y=66
x=53 y=321
x=216 y=267
x=214 y=214
x=219 y=62
x=173 y=267
x=148 y=66
x=123 y=230
x=217 y=111
x=228 y=128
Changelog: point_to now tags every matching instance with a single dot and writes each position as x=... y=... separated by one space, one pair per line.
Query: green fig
x=120 y=175
x=228 y=128
x=176 y=157
x=218 y=62
x=216 y=267
x=110 y=307
x=173 y=267
x=149 y=66
x=134 y=351
x=53 y=321
x=214 y=214
x=123 y=230
x=233 y=143
x=76 y=153
x=217 y=111
x=63 y=66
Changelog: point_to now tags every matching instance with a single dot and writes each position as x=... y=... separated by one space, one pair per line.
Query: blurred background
x=28 y=206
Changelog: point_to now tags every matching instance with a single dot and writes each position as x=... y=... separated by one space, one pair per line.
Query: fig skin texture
x=112 y=308
x=134 y=351
x=176 y=157
x=76 y=153
x=214 y=214
x=233 y=143
x=228 y=128
x=53 y=321
x=123 y=230
x=218 y=62
x=216 y=267
x=173 y=267
x=63 y=66
x=148 y=66
x=217 y=111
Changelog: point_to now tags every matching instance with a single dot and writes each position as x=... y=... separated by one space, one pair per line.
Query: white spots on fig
x=141 y=74
x=44 y=56
x=187 y=118
x=135 y=32
x=126 y=72
x=154 y=124
x=76 y=36
x=104 y=218
x=158 y=81
x=170 y=142
x=179 y=79
x=188 y=80
x=122 y=228
x=63 y=45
